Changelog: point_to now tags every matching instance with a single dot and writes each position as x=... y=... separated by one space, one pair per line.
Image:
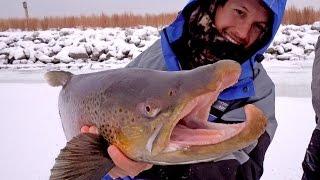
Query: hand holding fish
x=124 y=166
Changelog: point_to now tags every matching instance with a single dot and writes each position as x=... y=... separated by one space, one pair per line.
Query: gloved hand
x=123 y=165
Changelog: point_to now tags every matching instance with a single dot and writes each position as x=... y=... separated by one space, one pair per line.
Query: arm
x=315 y=85
x=311 y=162
x=124 y=166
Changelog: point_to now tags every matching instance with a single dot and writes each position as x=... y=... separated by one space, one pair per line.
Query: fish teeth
x=151 y=139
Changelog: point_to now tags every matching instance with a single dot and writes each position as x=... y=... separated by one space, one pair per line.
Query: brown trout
x=152 y=116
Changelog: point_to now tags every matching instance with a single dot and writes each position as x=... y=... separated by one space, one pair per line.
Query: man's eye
x=260 y=28
x=239 y=12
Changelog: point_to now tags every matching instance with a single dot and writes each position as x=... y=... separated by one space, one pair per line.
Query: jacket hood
x=244 y=88
x=277 y=7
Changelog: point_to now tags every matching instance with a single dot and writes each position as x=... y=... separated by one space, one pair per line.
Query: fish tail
x=57 y=78
x=84 y=157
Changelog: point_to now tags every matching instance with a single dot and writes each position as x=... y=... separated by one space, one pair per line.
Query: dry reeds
x=116 y=20
x=307 y=15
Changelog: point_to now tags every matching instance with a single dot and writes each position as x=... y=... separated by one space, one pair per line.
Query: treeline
x=116 y=20
x=307 y=15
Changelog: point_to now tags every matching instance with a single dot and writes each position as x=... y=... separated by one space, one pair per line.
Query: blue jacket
x=244 y=88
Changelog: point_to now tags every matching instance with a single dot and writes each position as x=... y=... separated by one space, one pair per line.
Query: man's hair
x=221 y=2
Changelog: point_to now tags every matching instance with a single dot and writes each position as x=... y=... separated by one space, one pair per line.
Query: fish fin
x=85 y=157
x=57 y=78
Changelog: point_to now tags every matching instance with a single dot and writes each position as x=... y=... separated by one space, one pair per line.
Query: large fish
x=152 y=116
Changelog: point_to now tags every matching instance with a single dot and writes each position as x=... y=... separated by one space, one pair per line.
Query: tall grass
x=307 y=15
x=116 y=20
x=292 y=15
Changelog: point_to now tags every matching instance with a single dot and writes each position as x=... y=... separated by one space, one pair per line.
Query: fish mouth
x=188 y=124
x=192 y=128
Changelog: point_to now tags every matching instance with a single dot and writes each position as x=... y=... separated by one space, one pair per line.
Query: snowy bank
x=87 y=49
x=72 y=48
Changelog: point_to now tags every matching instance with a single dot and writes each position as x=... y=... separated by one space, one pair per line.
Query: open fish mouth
x=192 y=127
x=188 y=126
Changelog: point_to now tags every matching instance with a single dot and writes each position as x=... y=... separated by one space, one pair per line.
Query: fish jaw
x=242 y=135
x=195 y=104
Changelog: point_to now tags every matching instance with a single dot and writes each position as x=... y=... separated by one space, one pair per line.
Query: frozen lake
x=32 y=133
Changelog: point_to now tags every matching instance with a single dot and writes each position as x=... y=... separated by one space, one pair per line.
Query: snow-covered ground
x=32 y=133
x=72 y=48
x=31 y=130
x=285 y=154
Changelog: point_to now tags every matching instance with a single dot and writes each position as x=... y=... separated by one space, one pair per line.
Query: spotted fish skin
x=137 y=110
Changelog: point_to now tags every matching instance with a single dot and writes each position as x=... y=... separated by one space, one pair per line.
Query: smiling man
x=205 y=32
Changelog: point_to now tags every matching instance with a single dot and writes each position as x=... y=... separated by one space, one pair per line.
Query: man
x=205 y=32
x=311 y=162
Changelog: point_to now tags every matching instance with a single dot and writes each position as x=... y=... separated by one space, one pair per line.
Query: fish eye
x=149 y=110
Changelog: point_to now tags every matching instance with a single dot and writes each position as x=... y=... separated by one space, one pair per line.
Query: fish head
x=164 y=115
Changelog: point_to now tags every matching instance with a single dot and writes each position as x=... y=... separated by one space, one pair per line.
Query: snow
x=286 y=152
x=3 y=45
x=33 y=134
x=31 y=129
x=291 y=78
x=63 y=46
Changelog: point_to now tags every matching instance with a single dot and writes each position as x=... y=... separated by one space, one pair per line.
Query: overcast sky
x=40 y=8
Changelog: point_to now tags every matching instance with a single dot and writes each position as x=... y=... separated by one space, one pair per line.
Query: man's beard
x=202 y=44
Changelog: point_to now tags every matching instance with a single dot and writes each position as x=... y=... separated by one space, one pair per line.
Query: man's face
x=242 y=22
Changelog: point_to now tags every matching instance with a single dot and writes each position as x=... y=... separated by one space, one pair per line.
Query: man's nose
x=243 y=32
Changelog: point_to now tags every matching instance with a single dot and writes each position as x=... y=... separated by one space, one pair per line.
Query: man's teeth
x=231 y=40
